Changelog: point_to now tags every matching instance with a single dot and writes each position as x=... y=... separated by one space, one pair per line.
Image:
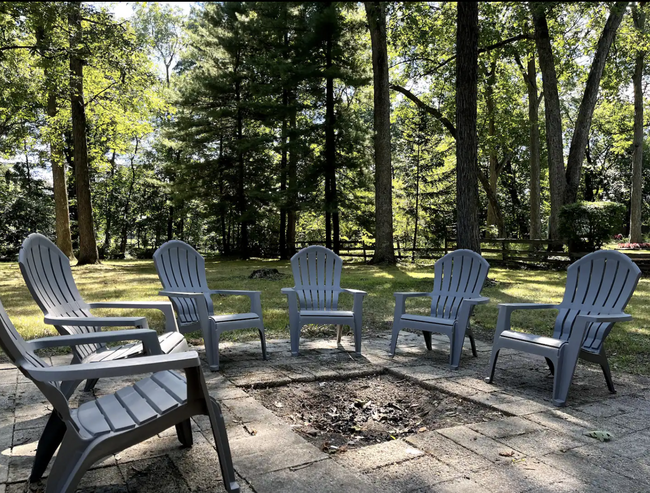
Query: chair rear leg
x=184 y=433
x=604 y=364
x=427 y=339
x=472 y=342
x=551 y=366
x=90 y=384
x=48 y=443
x=222 y=445
x=494 y=356
x=263 y=340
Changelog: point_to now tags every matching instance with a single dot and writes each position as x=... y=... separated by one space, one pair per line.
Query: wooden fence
x=502 y=251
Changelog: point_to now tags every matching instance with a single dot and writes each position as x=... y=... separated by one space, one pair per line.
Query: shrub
x=586 y=226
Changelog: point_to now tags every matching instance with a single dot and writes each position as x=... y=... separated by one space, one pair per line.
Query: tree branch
x=429 y=109
x=485 y=49
x=100 y=92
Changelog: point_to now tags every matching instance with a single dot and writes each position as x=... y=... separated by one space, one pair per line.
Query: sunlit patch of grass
x=628 y=344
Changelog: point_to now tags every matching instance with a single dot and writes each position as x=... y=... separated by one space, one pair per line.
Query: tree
x=564 y=183
x=88 y=253
x=636 y=200
x=467 y=138
x=384 y=252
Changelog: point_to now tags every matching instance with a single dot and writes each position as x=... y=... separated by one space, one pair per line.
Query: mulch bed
x=336 y=415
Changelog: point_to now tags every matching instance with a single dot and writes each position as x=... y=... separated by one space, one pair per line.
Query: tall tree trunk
x=534 y=145
x=331 y=207
x=384 y=250
x=127 y=205
x=493 y=214
x=241 y=176
x=283 y=181
x=588 y=103
x=57 y=160
x=108 y=206
x=554 y=143
x=417 y=201
x=293 y=182
x=636 y=201
x=61 y=204
x=88 y=253
x=467 y=140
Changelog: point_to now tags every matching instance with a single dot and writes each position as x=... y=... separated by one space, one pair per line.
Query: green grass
x=628 y=345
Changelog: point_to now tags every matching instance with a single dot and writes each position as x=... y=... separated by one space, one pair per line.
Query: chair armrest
x=506 y=309
x=117 y=368
x=140 y=322
x=605 y=317
x=408 y=294
x=181 y=294
x=235 y=292
x=164 y=306
x=481 y=300
x=354 y=291
x=255 y=297
x=148 y=337
x=288 y=291
x=292 y=300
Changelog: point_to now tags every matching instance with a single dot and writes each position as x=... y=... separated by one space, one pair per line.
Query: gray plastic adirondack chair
x=114 y=422
x=181 y=270
x=598 y=288
x=458 y=279
x=46 y=271
x=317 y=275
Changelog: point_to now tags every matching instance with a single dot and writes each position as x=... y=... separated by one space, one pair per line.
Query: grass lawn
x=628 y=345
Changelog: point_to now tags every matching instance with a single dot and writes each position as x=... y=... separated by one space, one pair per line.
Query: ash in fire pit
x=367 y=410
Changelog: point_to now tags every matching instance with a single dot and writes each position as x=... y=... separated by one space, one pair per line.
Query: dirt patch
x=367 y=410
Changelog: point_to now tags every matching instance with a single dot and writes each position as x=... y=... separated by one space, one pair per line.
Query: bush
x=586 y=226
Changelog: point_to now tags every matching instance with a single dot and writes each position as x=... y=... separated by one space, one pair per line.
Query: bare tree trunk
x=283 y=182
x=88 y=253
x=417 y=202
x=636 y=201
x=384 y=250
x=330 y=154
x=107 y=211
x=61 y=204
x=127 y=205
x=494 y=217
x=589 y=99
x=467 y=141
x=241 y=176
x=557 y=180
x=293 y=182
x=535 y=168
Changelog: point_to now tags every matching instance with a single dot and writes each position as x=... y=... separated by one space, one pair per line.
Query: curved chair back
x=601 y=282
x=458 y=275
x=317 y=274
x=181 y=268
x=48 y=276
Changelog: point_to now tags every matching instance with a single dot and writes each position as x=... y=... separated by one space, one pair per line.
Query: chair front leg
x=400 y=307
x=565 y=365
x=358 y=320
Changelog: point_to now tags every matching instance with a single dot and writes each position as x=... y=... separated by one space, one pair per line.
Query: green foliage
x=586 y=226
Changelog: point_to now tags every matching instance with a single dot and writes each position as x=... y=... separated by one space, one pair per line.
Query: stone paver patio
x=535 y=448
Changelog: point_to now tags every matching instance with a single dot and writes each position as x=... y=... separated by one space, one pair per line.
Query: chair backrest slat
x=317 y=276
x=601 y=282
x=47 y=273
x=181 y=268
x=457 y=276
